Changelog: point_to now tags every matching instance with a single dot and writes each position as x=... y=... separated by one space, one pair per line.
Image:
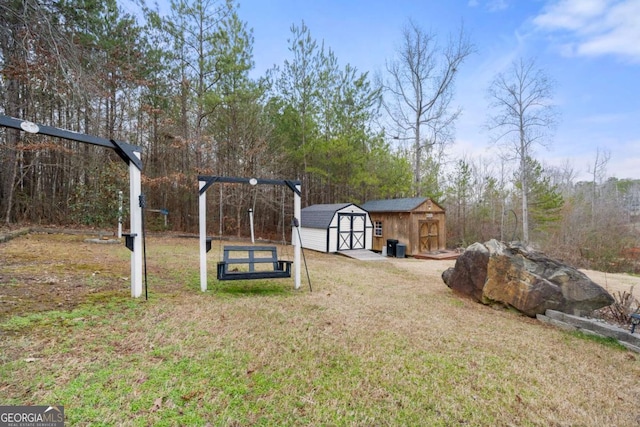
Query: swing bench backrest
x=252 y=262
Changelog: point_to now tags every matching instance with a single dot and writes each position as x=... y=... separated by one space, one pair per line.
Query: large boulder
x=519 y=277
x=470 y=273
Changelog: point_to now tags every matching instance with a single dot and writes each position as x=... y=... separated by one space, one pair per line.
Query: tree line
x=180 y=86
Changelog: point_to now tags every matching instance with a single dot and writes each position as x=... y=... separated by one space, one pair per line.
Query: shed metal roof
x=394 y=205
x=320 y=216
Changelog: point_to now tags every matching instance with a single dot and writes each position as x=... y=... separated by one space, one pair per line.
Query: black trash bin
x=391 y=247
x=401 y=250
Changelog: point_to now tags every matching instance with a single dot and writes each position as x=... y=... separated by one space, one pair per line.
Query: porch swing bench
x=265 y=258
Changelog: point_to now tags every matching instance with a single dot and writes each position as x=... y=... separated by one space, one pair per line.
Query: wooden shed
x=419 y=223
x=335 y=227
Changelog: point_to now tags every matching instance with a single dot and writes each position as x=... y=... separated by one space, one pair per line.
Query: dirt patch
x=45 y=271
x=616 y=282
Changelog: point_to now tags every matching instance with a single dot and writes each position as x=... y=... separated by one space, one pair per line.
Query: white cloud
x=594 y=27
x=570 y=14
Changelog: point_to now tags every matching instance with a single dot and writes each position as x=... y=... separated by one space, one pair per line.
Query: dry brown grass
x=375 y=343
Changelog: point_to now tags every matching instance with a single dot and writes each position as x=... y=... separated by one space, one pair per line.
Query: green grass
x=606 y=341
x=197 y=380
x=240 y=288
x=218 y=387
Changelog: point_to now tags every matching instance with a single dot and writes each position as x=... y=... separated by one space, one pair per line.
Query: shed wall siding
x=314 y=238
x=394 y=226
x=334 y=221
x=333 y=238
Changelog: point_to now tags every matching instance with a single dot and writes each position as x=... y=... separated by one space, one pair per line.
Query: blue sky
x=590 y=48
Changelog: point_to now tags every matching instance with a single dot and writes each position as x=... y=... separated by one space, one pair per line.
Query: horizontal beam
x=210 y=180
x=124 y=150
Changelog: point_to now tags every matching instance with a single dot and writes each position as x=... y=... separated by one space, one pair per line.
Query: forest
x=180 y=86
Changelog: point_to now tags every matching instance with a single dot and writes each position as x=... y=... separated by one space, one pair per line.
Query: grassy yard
x=374 y=344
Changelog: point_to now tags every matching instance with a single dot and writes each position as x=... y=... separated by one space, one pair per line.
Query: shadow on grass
x=251 y=288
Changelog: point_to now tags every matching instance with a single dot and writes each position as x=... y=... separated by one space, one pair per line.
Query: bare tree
x=420 y=88
x=36 y=58
x=598 y=174
x=563 y=176
x=523 y=117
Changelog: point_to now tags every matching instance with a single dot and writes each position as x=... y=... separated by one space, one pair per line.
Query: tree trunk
x=11 y=167
x=10 y=164
x=525 y=189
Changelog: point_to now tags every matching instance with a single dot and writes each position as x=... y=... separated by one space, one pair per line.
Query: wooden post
x=202 y=214
x=135 y=189
x=295 y=237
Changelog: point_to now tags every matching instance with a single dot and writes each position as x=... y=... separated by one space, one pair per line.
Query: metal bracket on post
x=635 y=321
x=208 y=243
x=296 y=224
x=128 y=240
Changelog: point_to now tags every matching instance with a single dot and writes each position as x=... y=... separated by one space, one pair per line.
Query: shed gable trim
x=321 y=216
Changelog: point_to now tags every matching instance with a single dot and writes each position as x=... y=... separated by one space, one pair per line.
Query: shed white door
x=351 y=231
